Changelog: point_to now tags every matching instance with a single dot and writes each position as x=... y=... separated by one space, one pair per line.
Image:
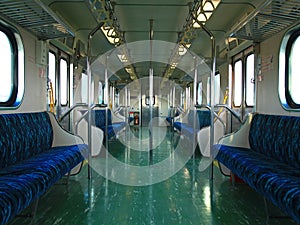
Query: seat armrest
x=240 y=138
x=61 y=137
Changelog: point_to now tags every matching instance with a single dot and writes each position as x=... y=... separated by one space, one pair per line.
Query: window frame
x=64 y=90
x=286 y=47
x=17 y=55
x=246 y=80
x=234 y=83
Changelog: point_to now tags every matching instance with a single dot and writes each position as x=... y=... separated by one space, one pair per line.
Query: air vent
x=35 y=17
x=269 y=19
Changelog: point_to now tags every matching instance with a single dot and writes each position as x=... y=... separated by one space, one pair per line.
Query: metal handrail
x=231 y=111
x=215 y=114
x=70 y=110
x=84 y=115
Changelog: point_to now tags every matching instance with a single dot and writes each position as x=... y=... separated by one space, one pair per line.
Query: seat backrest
x=23 y=135
x=100 y=115
x=202 y=118
x=277 y=137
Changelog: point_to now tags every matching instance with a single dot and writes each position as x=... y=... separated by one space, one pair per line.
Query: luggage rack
x=268 y=19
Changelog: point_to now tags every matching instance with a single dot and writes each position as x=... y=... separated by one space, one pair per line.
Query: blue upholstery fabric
x=112 y=128
x=202 y=120
x=271 y=165
x=29 y=164
x=170 y=117
x=277 y=181
x=268 y=135
x=24 y=182
x=18 y=134
x=177 y=125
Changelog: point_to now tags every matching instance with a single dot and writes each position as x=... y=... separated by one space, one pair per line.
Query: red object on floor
x=237 y=179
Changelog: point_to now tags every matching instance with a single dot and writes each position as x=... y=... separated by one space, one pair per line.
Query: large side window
x=12 y=67
x=63 y=82
x=84 y=88
x=237 y=87
x=250 y=80
x=60 y=78
x=289 y=70
x=51 y=73
x=199 y=93
x=217 y=88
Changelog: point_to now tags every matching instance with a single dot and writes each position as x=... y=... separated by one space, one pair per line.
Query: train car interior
x=149 y=112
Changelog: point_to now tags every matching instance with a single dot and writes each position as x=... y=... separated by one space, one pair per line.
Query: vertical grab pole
x=151 y=95
x=212 y=91
x=212 y=101
x=151 y=115
x=196 y=120
x=90 y=96
x=106 y=101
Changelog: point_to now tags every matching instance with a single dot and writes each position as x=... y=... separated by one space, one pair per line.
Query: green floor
x=188 y=197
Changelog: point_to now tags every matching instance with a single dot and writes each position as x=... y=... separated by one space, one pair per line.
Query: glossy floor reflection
x=188 y=197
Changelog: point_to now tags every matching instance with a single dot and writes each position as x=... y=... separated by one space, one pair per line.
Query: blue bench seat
x=268 y=158
x=187 y=128
x=112 y=127
x=35 y=153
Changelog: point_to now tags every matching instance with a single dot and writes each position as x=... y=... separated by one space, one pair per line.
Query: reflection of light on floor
x=206 y=198
x=186 y=173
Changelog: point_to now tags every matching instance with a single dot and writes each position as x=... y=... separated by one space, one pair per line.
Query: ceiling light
x=205 y=11
x=110 y=34
x=123 y=58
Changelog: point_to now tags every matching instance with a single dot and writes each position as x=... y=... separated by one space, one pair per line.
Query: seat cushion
x=277 y=181
x=277 y=137
x=23 y=135
x=24 y=182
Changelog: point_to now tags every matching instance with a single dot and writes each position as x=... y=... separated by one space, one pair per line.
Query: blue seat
x=100 y=121
x=269 y=161
x=30 y=160
x=187 y=128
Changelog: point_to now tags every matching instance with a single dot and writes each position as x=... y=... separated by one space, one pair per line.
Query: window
x=294 y=70
x=230 y=84
x=199 y=93
x=84 y=88
x=63 y=82
x=6 y=84
x=237 y=92
x=250 y=80
x=12 y=67
x=289 y=70
x=51 y=73
x=217 y=89
x=59 y=77
x=100 y=93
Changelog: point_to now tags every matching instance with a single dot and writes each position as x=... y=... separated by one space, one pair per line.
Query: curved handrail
x=84 y=115
x=71 y=109
x=231 y=111
x=215 y=114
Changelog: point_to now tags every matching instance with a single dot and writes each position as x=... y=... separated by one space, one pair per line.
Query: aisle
x=186 y=198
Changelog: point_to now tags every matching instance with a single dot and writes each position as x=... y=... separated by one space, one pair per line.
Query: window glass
x=217 y=88
x=250 y=80
x=6 y=59
x=289 y=70
x=199 y=93
x=12 y=66
x=100 y=93
x=208 y=91
x=63 y=82
x=51 y=73
x=230 y=83
x=84 y=88
x=237 y=94
x=294 y=72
